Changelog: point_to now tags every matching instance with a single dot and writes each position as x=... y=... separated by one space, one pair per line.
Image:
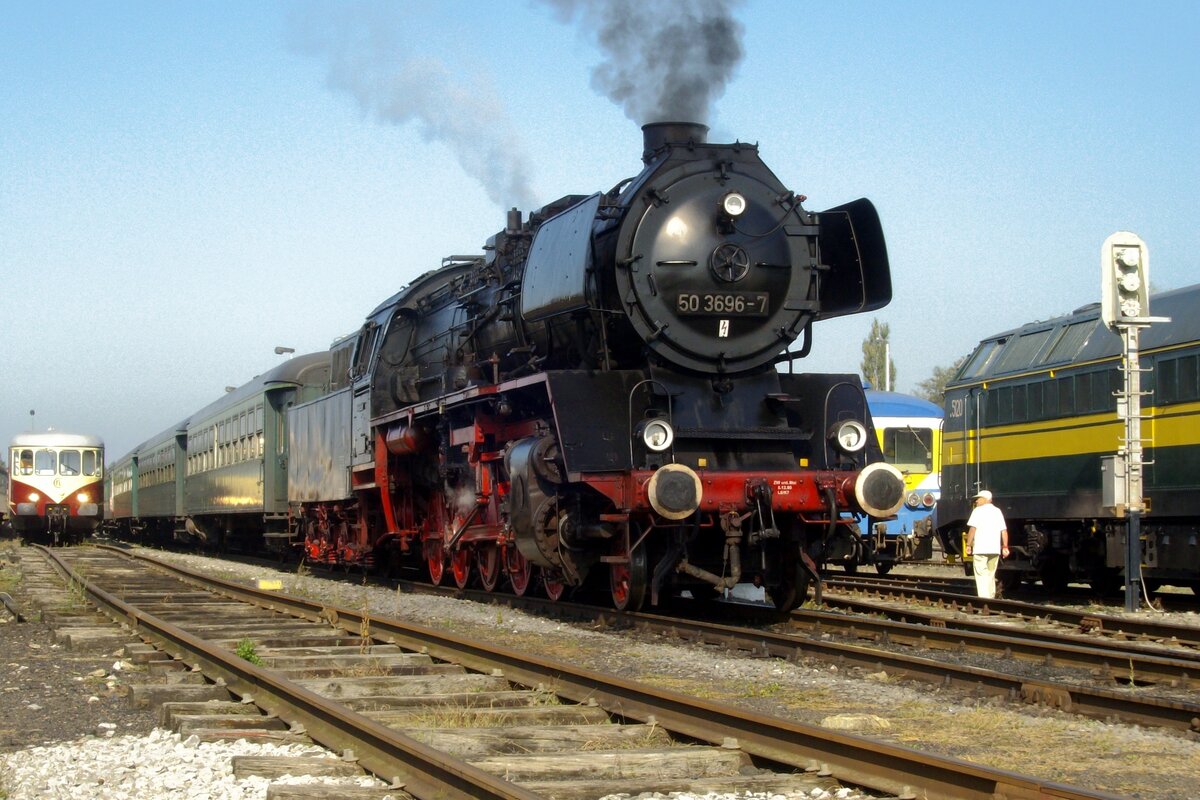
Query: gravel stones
x=157 y=765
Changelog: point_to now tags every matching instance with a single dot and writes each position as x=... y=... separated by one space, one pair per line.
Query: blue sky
x=185 y=186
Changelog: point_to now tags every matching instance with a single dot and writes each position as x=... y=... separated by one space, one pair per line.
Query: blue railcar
x=909 y=432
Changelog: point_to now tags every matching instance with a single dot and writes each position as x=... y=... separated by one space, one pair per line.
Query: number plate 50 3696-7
x=725 y=304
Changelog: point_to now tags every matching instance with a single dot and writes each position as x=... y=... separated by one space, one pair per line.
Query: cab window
x=908 y=449
x=45 y=462
x=91 y=463
x=69 y=462
x=23 y=462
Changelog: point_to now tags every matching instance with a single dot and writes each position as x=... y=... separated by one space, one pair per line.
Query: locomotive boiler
x=598 y=397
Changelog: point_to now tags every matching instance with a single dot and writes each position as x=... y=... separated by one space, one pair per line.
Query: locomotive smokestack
x=657 y=135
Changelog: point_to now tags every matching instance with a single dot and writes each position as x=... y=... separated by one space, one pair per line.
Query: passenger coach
x=1030 y=415
x=220 y=474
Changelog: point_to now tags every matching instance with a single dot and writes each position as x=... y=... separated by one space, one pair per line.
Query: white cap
x=985 y=494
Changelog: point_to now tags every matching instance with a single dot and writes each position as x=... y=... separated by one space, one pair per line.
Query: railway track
x=1071 y=595
x=1110 y=682
x=1111 y=685
x=377 y=715
x=1129 y=634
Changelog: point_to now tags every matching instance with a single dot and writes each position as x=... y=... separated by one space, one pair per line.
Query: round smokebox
x=675 y=491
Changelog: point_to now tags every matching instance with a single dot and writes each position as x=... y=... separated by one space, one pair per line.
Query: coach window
x=45 y=462
x=69 y=462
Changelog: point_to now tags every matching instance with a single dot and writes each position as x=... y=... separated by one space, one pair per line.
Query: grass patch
x=247 y=651
x=772 y=689
x=10 y=578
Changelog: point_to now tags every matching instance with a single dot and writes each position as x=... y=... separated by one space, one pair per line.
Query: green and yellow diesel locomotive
x=1030 y=415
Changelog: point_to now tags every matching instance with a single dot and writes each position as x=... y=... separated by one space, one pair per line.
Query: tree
x=933 y=388
x=877 y=366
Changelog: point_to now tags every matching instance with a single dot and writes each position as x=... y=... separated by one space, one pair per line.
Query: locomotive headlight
x=34 y=497
x=734 y=204
x=657 y=434
x=849 y=436
x=82 y=497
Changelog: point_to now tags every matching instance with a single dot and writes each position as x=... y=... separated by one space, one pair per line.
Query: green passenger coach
x=1030 y=415
x=221 y=474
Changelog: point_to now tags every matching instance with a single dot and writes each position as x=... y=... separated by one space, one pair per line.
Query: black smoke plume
x=369 y=59
x=666 y=60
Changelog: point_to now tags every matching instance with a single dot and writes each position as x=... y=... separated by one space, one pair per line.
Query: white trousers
x=985 y=573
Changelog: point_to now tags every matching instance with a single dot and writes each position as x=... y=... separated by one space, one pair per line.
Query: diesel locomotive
x=1030 y=416
x=606 y=396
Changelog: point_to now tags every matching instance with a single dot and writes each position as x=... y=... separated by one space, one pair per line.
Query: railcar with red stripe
x=56 y=492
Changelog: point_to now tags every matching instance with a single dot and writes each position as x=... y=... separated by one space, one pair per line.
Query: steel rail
x=425 y=772
x=1185 y=635
x=853 y=759
x=918 y=628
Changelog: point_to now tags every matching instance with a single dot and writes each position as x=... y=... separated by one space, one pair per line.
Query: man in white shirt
x=987 y=542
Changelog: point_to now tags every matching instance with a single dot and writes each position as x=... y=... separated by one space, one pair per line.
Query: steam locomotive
x=598 y=394
x=597 y=399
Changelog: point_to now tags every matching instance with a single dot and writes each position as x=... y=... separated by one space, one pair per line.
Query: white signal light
x=1125 y=280
x=1129 y=257
x=734 y=204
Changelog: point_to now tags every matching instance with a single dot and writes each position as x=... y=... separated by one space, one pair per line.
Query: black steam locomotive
x=598 y=393
x=597 y=398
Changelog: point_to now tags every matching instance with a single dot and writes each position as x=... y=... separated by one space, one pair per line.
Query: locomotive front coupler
x=759 y=494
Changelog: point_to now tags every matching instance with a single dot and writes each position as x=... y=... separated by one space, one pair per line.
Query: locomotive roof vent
x=657 y=135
